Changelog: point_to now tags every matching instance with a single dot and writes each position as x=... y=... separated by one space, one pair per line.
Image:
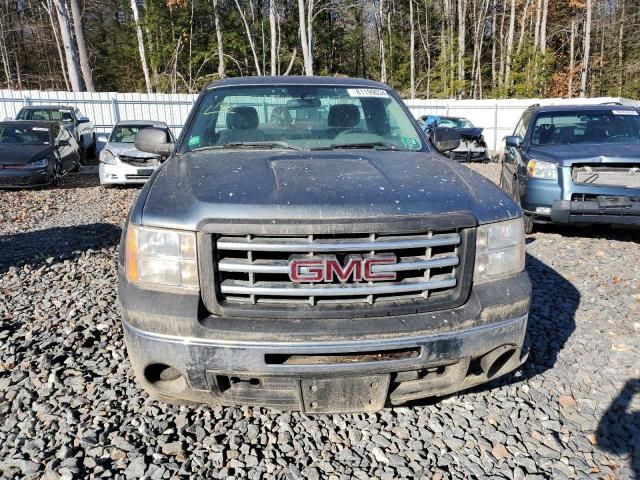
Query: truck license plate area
x=344 y=394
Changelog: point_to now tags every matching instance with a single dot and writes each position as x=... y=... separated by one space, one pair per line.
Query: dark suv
x=575 y=164
x=305 y=247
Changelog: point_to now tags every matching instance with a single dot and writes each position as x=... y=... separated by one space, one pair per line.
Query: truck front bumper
x=179 y=359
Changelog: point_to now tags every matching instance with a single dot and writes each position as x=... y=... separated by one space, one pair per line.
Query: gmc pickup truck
x=306 y=247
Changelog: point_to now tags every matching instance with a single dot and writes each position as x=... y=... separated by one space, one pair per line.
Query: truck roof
x=297 y=80
x=47 y=107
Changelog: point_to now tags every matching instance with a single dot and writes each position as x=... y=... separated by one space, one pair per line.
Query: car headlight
x=161 y=258
x=499 y=250
x=38 y=163
x=107 y=157
x=544 y=170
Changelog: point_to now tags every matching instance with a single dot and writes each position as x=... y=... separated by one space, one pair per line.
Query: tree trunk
x=512 y=20
x=4 y=55
x=250 y=38
x=461 y=45
x=494 y=35
x=304 y=40
x=380 y=29
x=543 y=26
x=78 y=29
x=412 y=52
x=141 y=50
x=572 y=48
x=216 y=21
x=620 y=47
x=69 y=46
x=523 y=25
x=63 y=67
x=536 y=32
x=274 y=38
x=586 y=49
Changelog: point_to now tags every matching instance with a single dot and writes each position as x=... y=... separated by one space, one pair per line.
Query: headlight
x=540 y=169
x=107 y=157
x=38 y=164
x=160 y=258
x=499 y=250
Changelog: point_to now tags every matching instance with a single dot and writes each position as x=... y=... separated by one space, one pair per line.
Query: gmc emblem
x=327 y=268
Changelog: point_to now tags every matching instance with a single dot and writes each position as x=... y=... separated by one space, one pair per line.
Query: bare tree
x=141 y=49
x=586 y=49
x=252 y=44
x=461 y=43
x=412 y=51
x=216 y=21
x=512 y=19
x=305 y=16
x=69 y=46
x=572 y=48
x=543 y=26
x=380 y=28
x=82 y=45
x=48 y=6
x=620 y=46
x=273 y=31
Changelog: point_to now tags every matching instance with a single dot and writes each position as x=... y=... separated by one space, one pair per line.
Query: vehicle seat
x=342 y=118
x=280 y=117
x=595 y=132
x=546 y=134
x=566 y=135
x=242 y=126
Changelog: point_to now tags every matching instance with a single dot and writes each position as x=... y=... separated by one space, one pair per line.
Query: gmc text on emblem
x=356 y=268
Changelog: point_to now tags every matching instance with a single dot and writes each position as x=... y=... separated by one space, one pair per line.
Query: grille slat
x=255 y=269
x=288 y=289
x=340 y=245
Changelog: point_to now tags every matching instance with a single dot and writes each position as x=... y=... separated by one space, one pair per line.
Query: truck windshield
x=610 y=126
x=48 y=114
x=301 y=118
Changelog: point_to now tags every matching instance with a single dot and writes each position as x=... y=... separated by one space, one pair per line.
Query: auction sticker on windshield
x=367 y=92
x=624 y=112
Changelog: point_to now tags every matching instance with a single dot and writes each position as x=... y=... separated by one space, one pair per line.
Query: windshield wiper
x=261 y=145
x=363 y=145
x=248 y=145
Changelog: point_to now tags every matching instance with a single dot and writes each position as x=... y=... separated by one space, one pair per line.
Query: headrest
x=343 y=116
x=242 y=118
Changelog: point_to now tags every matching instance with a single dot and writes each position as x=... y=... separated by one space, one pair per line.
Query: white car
x=120 y=162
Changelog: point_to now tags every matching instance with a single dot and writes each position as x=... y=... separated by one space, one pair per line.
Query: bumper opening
x=348 y=358
x=165 y=378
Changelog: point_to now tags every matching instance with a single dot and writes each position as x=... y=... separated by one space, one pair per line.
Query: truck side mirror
x=514 y=141
x=153 y=140
x=444 y=139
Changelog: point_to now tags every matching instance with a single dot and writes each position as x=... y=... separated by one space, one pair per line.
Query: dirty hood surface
x=22 y=153
x=275 y=186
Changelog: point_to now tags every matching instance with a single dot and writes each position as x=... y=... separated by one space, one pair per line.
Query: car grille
x=139 y=162
x=15 y=180
x=255 y=269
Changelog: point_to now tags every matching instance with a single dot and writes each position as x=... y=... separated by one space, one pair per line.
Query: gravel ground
x=69 y=406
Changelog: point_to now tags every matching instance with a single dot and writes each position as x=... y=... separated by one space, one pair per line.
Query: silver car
x=120 y=162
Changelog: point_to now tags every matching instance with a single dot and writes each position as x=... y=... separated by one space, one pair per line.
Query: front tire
x=56 y=175
x=526 y=219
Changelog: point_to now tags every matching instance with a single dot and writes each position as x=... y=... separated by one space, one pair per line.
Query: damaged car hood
x=191 y=190
x=600 y=153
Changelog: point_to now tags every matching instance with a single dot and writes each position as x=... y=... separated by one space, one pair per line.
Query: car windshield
x=24 y=135
x=301 y=117
x=610 y=126
x=48 y=114
x=126 y=133
x=450 y=122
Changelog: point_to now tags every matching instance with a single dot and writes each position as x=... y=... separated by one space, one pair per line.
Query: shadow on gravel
x=592 y=231
x=619 y=428
x=59 y=243
x=551 y=323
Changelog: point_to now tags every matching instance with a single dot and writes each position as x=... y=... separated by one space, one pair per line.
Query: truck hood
x=260 y=187
x=567 y=155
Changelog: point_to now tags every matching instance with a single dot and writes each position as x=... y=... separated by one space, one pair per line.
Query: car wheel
x=56 y=175
x=91 y=149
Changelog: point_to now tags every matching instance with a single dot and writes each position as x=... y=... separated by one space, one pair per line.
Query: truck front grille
x=255 y=269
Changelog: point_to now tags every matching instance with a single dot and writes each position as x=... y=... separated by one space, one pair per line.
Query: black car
x=323 y=263
x=36 y=153
x=80 y=126
x=576 y=164
x=473 y=147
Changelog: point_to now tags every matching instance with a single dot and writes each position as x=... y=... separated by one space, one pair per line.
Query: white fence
x=497 y=117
